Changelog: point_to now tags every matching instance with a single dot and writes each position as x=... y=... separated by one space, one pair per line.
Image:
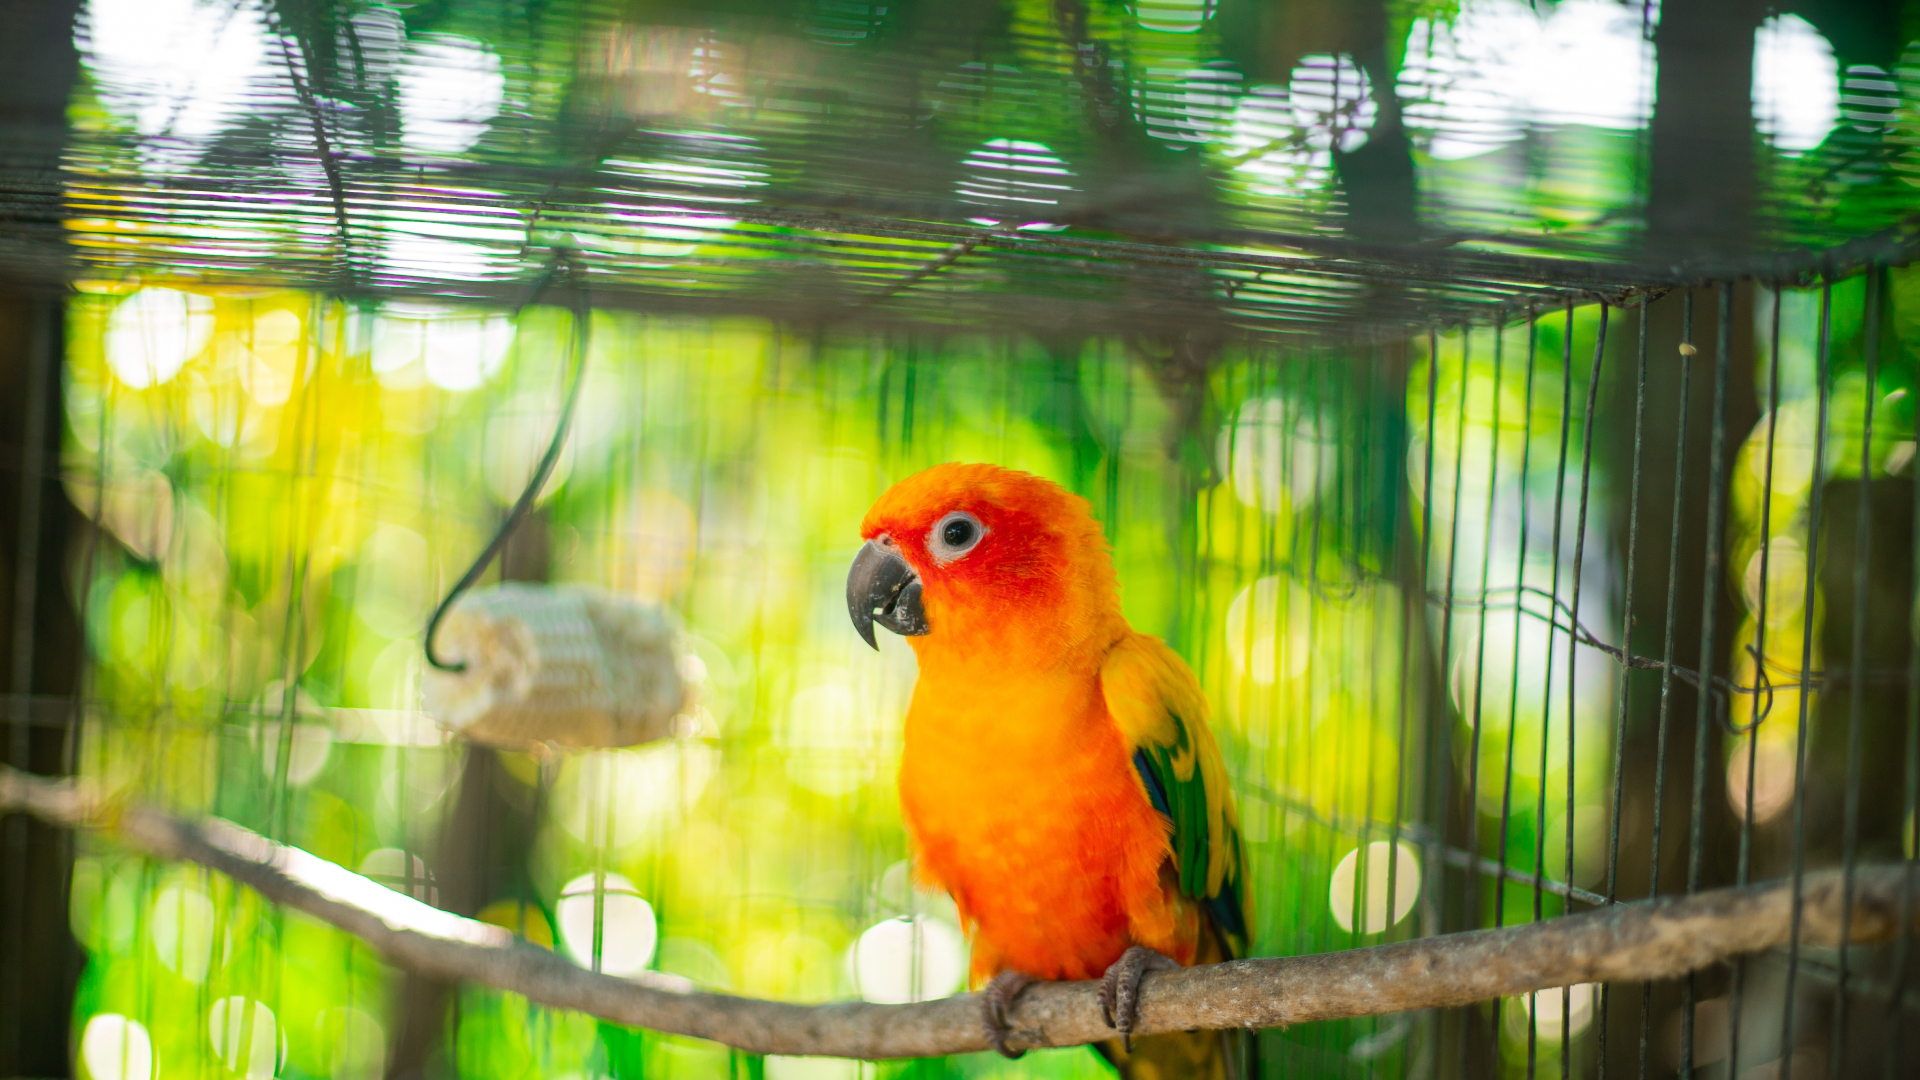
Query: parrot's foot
x=996 y=1002
x=1120 y=990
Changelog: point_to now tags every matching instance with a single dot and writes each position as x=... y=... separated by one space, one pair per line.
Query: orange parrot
x=1058 y=777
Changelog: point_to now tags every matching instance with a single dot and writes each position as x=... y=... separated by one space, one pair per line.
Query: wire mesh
x=929 y=168
x=1455 y=598
x=1459 y=535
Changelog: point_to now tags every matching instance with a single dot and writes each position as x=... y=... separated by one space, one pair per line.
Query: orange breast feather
x=1023 y=803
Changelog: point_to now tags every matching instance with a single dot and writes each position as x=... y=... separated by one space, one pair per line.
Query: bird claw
x=996 y=1003
x=1120 y=989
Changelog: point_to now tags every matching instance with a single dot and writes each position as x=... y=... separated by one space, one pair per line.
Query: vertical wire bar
x=1480 y=644
x=83 y=604
x=1709 y=594
x=1821 y=361
x=1289 y=379
x=1760 y=710
x=1862 y=551
x=26 y=580
x=1299 y=757
x=301 y=516
x=1414 y=608
x=1404 y=708
x=1666 y=659
x=1445 y=712
x=1513 y=687
x=1546 y=693
x=1903 y=947
x=1358 y=411
x=1315 y=397
x=1312 y=394
x=601 y=793
x=1573 y=650
x=1626 y=649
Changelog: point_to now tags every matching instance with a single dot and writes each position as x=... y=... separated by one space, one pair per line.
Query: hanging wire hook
x=563 y=260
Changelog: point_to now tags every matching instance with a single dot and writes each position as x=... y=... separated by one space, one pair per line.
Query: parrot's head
x=964 y=558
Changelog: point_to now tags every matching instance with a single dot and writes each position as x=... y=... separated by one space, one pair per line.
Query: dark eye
x=954 y=535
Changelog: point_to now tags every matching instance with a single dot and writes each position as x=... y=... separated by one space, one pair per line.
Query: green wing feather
x=1157 y=702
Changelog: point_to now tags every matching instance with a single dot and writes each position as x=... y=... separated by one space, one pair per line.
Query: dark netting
x=1074 y=170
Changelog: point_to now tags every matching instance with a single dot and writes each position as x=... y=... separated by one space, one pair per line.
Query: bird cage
x=1507 y=413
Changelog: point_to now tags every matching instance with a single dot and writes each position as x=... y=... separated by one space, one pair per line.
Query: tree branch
x=1626 y=943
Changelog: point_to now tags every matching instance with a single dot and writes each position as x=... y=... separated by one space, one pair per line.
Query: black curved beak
x=882 y=588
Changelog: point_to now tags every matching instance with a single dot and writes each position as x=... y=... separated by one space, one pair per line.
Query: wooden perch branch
x=1627 y=943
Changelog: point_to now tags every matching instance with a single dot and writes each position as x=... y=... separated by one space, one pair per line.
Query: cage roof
x=1152 y=168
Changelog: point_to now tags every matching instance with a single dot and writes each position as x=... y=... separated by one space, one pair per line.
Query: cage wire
x=1089 y=170
x=1404 y=570
x=1525 y=577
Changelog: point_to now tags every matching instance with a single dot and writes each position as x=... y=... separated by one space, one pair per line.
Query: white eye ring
x=953 y=536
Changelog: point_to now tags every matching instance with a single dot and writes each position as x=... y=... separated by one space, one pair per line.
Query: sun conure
x=1058 y=777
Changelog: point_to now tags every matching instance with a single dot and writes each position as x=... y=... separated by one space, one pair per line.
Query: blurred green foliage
x=287 y=495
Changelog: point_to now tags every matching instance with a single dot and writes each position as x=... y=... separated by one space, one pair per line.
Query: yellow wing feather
x=1162 y=713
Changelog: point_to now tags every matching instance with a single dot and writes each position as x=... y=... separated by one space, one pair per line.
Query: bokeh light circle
x=628 y=931
x=1549 y=1009
x=154 y=332
x=182 y=931
x=114 y=1047
x=246 y=1037
x=1372 y=911
x=909 y=959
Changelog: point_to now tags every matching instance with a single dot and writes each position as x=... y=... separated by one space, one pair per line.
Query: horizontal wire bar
x=1423 y=837
x=1817 y=679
